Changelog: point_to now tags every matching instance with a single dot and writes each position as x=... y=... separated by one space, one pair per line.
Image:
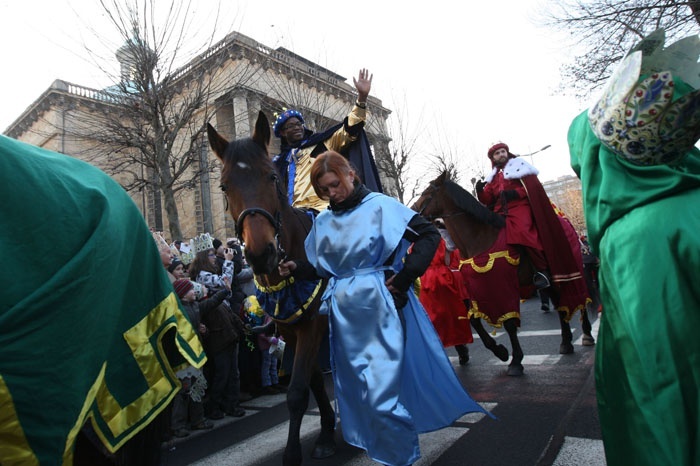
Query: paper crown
x=637 y=119
x=163 y=245
x=197 y=244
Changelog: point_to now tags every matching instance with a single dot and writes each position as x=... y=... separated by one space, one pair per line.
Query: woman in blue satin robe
x=392 y=377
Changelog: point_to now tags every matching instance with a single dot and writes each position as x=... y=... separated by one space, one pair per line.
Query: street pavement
x=548 y=417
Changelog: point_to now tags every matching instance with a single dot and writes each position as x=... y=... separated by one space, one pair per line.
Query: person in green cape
x=640 y=173
x=90 y=327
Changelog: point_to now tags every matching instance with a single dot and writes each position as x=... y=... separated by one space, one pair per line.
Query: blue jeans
x=268 y=369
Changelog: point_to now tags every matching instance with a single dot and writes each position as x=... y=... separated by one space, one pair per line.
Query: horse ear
x=217 y=142
x=261 y=135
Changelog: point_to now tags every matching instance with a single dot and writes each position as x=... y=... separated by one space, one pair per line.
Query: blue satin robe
x=392 y=376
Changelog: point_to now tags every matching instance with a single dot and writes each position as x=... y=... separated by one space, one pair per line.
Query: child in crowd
x=188 y=404
x=269 y=380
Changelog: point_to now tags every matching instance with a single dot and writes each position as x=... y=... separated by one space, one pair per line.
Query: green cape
x=88 y=317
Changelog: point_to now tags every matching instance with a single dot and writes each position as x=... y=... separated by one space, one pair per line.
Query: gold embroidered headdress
x=637 y=117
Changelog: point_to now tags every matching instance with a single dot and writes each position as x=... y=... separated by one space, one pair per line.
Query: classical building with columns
x=272 y=81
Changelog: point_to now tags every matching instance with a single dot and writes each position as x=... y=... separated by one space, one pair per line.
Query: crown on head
x=199 y=243
x=202 y=242
x=637 y=119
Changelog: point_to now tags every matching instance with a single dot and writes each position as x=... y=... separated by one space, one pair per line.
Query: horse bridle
x=275 y=221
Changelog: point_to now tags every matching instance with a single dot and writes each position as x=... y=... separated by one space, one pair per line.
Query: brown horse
x=272 y=230
x=474 y=229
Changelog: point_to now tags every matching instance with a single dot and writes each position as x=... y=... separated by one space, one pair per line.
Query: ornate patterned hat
x=283 y=117
x=639 y=117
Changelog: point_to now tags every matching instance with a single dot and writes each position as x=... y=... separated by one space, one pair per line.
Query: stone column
x=241 y=119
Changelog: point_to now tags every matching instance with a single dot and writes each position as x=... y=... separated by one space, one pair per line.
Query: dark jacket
x=224 y=326
x=359 y=154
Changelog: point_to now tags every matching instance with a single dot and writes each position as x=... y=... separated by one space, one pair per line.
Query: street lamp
x=536 y=152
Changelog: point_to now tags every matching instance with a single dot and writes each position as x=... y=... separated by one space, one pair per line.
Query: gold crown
x=637 y=119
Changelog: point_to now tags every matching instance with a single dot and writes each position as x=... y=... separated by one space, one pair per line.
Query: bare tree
x=399 y=165
x=457 y=158
x=293 y=81
x=603 y=31
x=148 y=129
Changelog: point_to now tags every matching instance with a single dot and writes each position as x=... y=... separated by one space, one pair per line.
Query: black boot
x=463 y=353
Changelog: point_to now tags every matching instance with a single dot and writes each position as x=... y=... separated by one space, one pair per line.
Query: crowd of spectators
x=216 y=288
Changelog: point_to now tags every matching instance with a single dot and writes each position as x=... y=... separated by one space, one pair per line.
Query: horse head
x=472 y=226
x=433 y=202
x=254 y=193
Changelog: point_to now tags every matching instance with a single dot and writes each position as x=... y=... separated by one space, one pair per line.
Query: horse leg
x=500 y=351
x=306 y=373
x=297 y=403
x=586 y=327
x=515 y=368
x=325 y=443
x=566 y=347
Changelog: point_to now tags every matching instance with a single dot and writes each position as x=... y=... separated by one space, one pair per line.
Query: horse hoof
x=588 y=340
x=566 y=348
x=515 y=370
x=501 y=352
x=323 y=451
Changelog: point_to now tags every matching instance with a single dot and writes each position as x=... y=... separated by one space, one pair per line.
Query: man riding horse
x=300 y=146
x=513 y=190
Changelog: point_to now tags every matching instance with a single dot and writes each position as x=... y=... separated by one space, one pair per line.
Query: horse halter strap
x=275 y=221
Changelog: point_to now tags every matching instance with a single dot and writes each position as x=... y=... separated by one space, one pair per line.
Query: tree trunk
x=172 y=213
x=695 y=8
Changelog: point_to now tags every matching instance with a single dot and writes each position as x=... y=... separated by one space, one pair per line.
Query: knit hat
x=173 y=265
x=283 y=117
x=216 y=243
x=182 y=286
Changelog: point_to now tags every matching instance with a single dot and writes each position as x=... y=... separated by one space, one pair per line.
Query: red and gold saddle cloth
x=492 y=282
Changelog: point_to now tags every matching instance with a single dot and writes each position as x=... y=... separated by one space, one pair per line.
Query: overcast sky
x=477 y=72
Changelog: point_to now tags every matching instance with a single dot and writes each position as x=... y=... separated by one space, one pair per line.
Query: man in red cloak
x=513 y=190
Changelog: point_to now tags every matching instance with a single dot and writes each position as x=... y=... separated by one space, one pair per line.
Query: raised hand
x=363 y=84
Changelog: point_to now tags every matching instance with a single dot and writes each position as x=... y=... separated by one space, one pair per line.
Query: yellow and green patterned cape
x=87 y=312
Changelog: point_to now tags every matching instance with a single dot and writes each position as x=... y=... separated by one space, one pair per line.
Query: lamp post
x=536 y=152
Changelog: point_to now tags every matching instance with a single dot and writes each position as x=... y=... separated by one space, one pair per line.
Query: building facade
x=243 y=78
x=565 y=192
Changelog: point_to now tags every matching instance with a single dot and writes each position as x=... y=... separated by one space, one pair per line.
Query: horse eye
x=274 y=177
x=223 y=187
